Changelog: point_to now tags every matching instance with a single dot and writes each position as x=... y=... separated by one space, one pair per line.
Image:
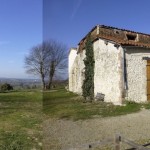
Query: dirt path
x=59 y=134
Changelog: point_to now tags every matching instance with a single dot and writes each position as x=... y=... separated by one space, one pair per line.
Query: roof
x=110 y=27
x=72 y=48
x=121 y=36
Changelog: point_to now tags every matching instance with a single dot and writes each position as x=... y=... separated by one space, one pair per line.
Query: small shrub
x=6 y=87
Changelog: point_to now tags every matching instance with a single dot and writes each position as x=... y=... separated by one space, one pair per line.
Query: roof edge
x=111 y=27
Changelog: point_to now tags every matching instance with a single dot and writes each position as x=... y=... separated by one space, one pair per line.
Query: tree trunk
x=50 y=79
x=43 y=82
x=51 y=74
x=50 y=82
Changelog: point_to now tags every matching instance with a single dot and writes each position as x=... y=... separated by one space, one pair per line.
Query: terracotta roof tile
x=120 y=36
x=110 y=27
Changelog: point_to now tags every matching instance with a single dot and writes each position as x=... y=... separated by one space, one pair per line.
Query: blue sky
x=22 y=24
x=69 y=20
x=20 y=29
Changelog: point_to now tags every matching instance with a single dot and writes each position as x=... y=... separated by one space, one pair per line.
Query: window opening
x=131 y=37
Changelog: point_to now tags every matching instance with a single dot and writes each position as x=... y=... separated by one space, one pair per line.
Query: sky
x=25 y=23
x=20 y=29
x=70 y=20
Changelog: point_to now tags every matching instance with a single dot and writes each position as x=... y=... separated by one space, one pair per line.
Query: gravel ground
x=60 y=134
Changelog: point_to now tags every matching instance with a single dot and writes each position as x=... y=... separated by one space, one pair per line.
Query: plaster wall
x=71 y=60
x=136 y=74
x=108 y=74
x=76 y=74
x=108 y=78
x=72 y=56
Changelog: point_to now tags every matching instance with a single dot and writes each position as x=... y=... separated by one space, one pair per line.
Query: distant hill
x=20 y=82
x=30 y=83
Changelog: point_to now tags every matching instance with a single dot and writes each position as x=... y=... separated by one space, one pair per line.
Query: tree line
x=47 y=60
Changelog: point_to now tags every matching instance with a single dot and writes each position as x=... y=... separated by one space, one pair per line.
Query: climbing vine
x=88 y=82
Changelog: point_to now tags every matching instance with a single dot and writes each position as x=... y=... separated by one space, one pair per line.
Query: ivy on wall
x=88 y=82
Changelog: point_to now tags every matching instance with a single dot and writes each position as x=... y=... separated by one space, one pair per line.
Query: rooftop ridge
x=122 y=36
x=111 y=27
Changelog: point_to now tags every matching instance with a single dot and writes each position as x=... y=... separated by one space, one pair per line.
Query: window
x=131 y=37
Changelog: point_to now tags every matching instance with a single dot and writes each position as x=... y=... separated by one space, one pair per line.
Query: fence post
x=117 y=142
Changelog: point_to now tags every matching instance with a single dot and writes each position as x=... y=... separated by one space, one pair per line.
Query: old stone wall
x=76 y=74
x=108 y=75
x=136 y=74
x=71 y=60
x=108 y=78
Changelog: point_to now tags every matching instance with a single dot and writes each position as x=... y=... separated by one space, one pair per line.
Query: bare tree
x=35 y=62
x=57 y=62
x=47 y=60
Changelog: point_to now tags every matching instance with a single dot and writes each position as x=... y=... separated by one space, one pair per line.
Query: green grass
x=147 y=106
x=21 y=114
x=21 y=120
x=15 y=140
x=63 y=104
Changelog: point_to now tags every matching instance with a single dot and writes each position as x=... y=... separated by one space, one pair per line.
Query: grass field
x=21 y=120
x=21 y=114
x=63 y=104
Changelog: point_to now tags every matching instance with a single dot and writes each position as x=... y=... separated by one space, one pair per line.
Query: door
x=148 y=80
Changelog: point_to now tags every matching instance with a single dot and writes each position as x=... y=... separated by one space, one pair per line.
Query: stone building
x=122 y=64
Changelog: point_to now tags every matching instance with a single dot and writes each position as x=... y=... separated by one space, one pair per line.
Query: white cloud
x=76 y=8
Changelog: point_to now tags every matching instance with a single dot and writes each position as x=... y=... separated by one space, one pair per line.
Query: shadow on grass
x=65 y=105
